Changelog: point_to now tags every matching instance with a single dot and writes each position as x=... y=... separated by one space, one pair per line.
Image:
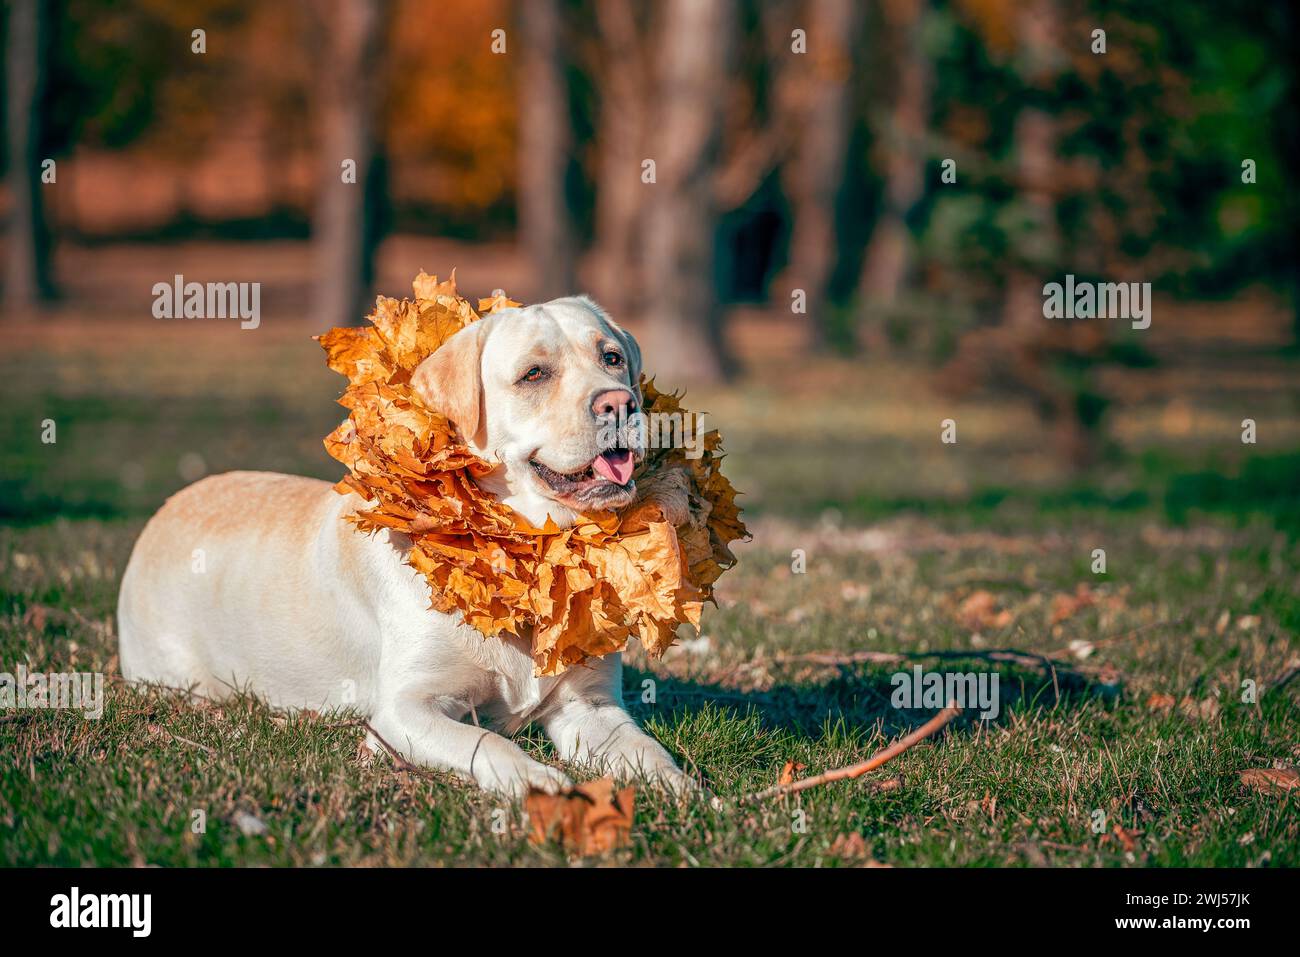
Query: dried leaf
x=1271 y=779
x=588 y=819
x=582 y=591
x=790 y=772
x=366 y=753
x=851 y=846
x=1067 y=606
x=1207 y=709
x=36 y=616
x=1126 y=838
x=499 y=300
x=979 y=612
x=1162 y=703
x=889 y=784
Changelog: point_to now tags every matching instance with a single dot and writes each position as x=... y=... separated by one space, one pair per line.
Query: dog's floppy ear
x=451 y=380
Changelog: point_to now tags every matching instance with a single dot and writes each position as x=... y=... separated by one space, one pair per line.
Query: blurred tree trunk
x=1048 y=361
x=1041 y=347
x=684 y=331
x=27 y=272
x=619 y=192
x=545 y=221
x=344 y=227
x=888 y=263
x=819 y=97
x=1034 y=137
x=1286 y=125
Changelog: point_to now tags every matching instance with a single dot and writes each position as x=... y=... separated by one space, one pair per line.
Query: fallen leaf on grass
x=1066 y=605
x=36 y=616
x=1126 y=838
x=1271 y=779
x=979 y=612
x=788 y=772
x=1118 y=834
x=1207 y=709
x=588 y=819
x=365 y=755
x=850 y=847
x=1163 y=703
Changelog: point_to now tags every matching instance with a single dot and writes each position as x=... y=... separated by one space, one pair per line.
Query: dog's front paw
x=650 y=763
x=676 y=782
x=515 y=778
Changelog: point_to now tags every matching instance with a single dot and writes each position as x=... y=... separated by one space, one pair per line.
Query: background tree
x=27 y=272
x=684 y=316
x=625 y=102
x=890 y=259
x=1118 y=165
x=545 y=139
x=1050 y=362
x=348 y=206
x=814 y=90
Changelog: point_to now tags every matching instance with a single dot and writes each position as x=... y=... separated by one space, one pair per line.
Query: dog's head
x=551 y=392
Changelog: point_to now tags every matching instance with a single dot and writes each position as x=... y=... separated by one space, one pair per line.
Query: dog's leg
x=589 y=726
x=424 y=732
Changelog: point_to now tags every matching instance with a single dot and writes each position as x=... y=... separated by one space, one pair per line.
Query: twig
x=211 y=752
x=875 y=761
x=398 y=761
x=353 y=723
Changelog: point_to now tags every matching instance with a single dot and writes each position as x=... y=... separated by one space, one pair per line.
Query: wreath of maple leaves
x=580 y=591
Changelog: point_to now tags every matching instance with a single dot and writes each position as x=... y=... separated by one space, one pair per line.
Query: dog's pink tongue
x=615 y=465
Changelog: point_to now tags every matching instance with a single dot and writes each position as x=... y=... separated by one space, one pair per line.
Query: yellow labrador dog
x=254 y=581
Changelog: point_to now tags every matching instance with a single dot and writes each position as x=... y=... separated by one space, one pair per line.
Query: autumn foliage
x=592 y=818
x=579 y=591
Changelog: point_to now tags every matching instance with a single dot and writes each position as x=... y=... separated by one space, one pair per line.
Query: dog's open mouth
x=605 y=482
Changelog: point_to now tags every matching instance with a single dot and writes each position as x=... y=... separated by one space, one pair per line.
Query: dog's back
x=232 y=555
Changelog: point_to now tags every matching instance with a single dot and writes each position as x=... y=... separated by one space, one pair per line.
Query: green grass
x=1199 y=596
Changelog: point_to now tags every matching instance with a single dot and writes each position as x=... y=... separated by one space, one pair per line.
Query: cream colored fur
x=255 y=581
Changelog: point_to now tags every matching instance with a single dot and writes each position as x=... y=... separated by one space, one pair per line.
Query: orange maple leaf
x=591 y=818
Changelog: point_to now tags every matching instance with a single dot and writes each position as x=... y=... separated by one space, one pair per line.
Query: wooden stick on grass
x=399 y=762
x=873 y=762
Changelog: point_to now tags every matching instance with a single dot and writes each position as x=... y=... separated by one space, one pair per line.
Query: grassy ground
x=1128 y=752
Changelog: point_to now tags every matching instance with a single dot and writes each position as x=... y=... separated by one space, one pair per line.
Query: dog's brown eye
x=613 y=359
x=533 y=375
